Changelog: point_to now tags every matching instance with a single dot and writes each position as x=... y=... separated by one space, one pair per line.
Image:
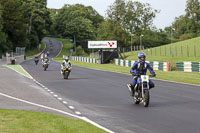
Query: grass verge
x=187 y=50
x=14 y=121
x=19 y=69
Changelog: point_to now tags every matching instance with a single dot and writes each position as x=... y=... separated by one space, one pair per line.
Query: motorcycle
x=45 y=65
x=66 y=71
x=141 y=92
x=36 y=60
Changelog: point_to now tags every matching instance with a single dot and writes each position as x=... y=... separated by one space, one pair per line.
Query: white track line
x=78 y=113
x=57 y=110
x=71 y=107
x=64 y=102
x=26 y=72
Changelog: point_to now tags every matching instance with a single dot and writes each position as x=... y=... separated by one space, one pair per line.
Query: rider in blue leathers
x=140 y=68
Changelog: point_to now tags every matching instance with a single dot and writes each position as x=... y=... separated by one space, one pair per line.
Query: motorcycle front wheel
x=66 y=74
x=146 y=98
x=136 y=98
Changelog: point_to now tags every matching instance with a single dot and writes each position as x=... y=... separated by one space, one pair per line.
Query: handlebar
x=137 y=75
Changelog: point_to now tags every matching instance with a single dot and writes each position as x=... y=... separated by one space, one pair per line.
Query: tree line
x=25 y=22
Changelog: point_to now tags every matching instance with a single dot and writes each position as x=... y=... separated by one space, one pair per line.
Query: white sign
x=102 y=44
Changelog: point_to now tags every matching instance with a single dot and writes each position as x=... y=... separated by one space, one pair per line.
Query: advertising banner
x=102 y=44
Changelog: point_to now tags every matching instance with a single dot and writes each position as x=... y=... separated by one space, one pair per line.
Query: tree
x=125 y=18
x=3 y=36
x=188 y=26
x=13 y=26
x=78 y=21
x=38 y=20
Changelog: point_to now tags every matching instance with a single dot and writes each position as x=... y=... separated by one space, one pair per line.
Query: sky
x=169 y=9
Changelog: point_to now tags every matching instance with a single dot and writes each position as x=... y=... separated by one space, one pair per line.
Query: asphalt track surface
x=104 y=98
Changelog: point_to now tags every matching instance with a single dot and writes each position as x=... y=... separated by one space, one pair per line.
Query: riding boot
x=131 y=88
x=151 y=85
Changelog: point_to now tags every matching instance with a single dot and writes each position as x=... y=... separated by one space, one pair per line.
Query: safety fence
x=188 y=66
x=164 y=66
x=84 y=59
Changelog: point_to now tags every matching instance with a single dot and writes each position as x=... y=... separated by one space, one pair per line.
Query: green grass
x=159 y=54
x=19 y=69
x=186 y=77
x=14 y=121
x=33 y=52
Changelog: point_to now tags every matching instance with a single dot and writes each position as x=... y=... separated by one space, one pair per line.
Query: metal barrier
x=164 y=66
x=188 y=66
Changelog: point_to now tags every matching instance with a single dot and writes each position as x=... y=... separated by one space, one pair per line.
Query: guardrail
x=188 y=66
x=84 y=59
x=164 y=66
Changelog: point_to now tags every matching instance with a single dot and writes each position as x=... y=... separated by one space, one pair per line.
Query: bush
x=186 y=36
x=80 y=51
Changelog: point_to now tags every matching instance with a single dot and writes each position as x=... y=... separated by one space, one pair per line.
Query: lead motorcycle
x=141 y=92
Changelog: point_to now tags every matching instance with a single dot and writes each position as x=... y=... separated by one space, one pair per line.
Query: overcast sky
x=169 y=9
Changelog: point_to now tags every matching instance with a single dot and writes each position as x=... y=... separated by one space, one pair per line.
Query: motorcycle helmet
x=66 y=59
x=140 y=56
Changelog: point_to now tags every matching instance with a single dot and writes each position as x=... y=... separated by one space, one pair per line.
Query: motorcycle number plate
x=145 y=78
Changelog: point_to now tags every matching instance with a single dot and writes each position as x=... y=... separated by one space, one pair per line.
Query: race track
x=104 y=98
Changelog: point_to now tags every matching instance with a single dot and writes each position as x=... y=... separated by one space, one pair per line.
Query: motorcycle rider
x=45 y=60
x=140 y=68
x=36 y=59
x=65 y=63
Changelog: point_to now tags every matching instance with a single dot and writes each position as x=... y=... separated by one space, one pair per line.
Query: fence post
x=181 y=51
x=188 y=51
x=165 y=51
x=176 y=51
x=194 y=50
x=171 y=50
x=151 y=51
x=160 y=51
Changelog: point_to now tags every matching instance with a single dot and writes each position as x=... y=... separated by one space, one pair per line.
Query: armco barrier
x=84 y=59
x=164 y=66
x=188 y=66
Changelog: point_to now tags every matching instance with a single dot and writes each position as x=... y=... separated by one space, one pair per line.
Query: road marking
x=55 y=95
x=51 y=92
x=64 y=102
x=57 y=110
x=48 y=90
x=59 y=98
x=78 y=113
x=71 y=107
x=26 y=72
